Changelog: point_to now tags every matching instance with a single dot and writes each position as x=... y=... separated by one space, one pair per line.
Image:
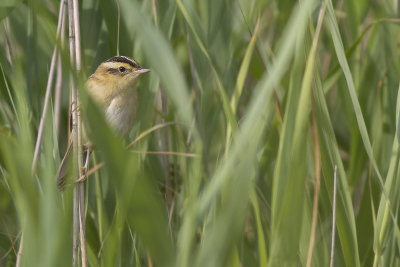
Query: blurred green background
x=256 y=102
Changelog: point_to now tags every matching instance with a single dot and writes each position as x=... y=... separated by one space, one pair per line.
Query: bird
x=113 y=87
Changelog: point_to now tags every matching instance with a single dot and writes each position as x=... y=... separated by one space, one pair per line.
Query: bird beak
x=142 y=70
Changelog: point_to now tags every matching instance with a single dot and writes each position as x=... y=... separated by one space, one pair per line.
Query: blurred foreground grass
x=262 y=99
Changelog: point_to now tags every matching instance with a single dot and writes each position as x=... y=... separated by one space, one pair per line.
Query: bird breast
x=122 y=111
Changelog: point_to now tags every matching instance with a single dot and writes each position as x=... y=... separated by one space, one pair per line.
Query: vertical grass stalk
x=61 y=15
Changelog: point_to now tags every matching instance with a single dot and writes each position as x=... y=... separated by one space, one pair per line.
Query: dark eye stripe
x=117 y=71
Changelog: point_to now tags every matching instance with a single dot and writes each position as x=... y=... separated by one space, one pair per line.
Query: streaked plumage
x=113 y=87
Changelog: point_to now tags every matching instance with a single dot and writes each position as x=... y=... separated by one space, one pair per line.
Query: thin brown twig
x=385 y=73
x=317 y=168
x=12 y=248
x=90 y=172
x=9 y=236
x=148 y=131
x=149 y=261
x=19 y=254
x=155 y=12
x=189 y=155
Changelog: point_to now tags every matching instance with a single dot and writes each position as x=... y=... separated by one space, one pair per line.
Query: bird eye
x=122 y=69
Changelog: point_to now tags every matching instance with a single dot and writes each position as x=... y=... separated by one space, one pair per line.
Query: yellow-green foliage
x=261 y=100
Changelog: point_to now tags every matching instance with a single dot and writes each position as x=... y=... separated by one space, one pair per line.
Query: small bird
x=113 y=87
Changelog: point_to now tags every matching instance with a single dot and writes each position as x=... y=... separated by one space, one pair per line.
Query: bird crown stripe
x=123 y=60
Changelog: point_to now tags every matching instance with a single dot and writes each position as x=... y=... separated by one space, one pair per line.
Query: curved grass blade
x=385 y=224
x=137 y=196
x=241 y=78
x=236 y=173
x=289 y=185
x=224 y=98
x=7 y=6
x=341 y=55
x=334 y=73
x=262 y=250
x=345 y=221
x=161 y=57
x=360 y=120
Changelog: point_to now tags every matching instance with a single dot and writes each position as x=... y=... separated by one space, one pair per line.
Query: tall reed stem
x=50 y=79
x=78 y=195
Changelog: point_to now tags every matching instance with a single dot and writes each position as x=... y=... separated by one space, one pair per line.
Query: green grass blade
x=224 y=98
x=237 y=191
x=161 y=59
x=341 y=55
x=137 y=196
x=385 y=224
x=330 y=157
x=262 y=250
x=241 y=78
x=288 y=197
